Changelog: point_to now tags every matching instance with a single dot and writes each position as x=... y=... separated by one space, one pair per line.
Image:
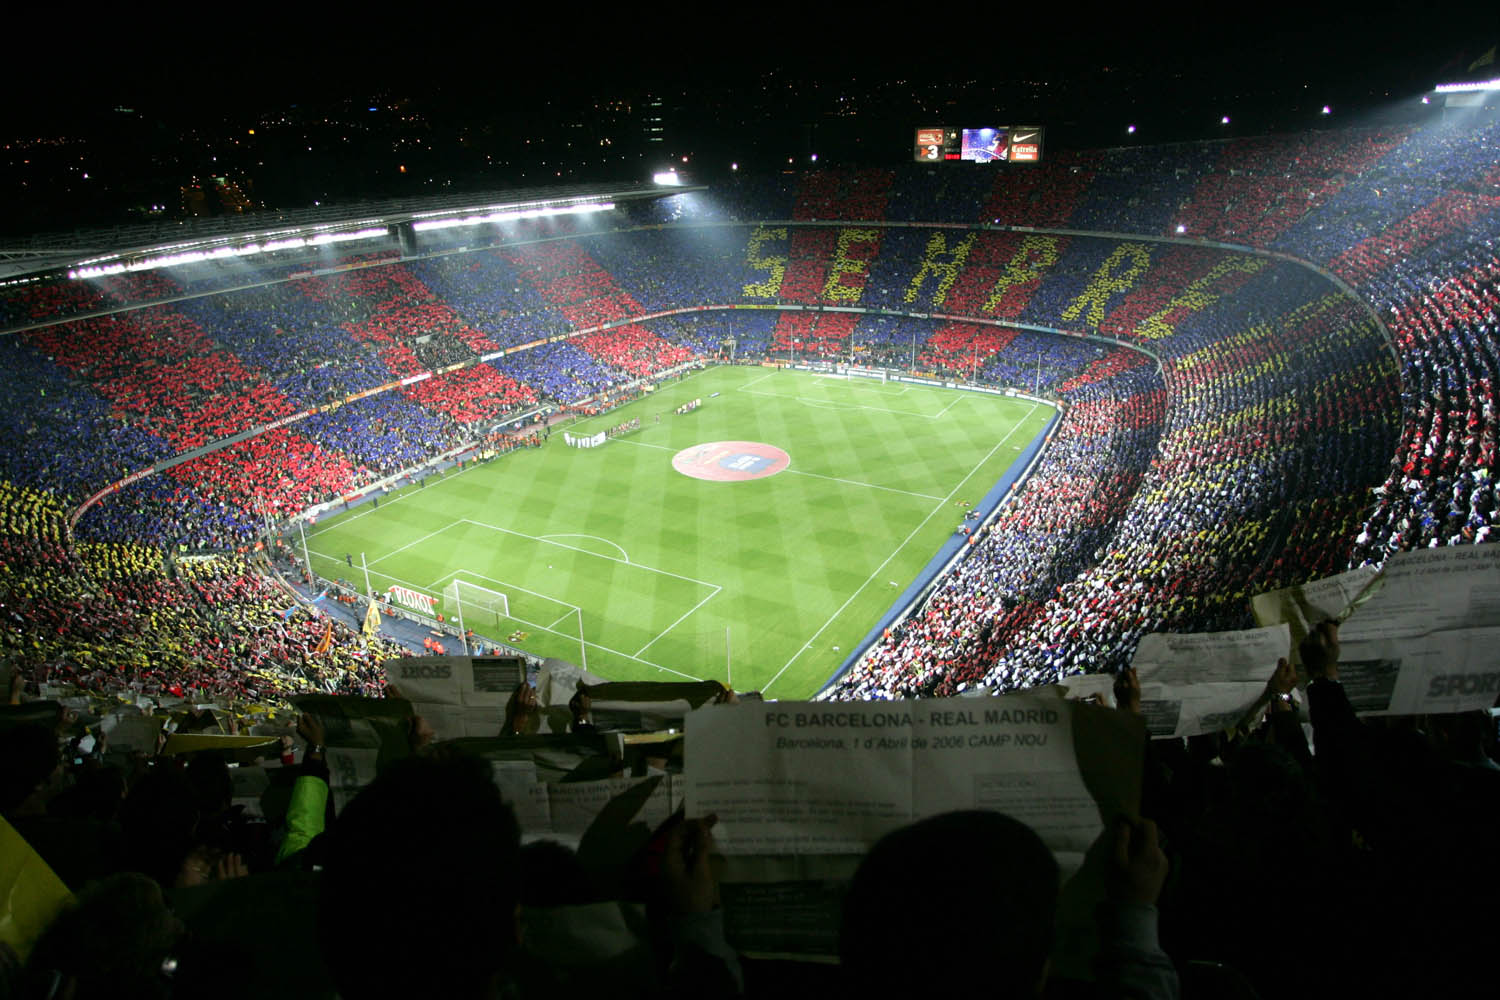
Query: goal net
x=476 y=604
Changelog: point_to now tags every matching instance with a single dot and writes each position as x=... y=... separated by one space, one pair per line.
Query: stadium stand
x=1232 y=422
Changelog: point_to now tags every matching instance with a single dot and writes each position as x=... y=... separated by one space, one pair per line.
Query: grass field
x=797 y=566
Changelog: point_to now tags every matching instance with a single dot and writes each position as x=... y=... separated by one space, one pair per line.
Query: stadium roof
x=121 y=244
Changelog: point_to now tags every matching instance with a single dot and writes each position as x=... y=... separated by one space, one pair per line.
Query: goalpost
x=482 y=604
x=491 y=607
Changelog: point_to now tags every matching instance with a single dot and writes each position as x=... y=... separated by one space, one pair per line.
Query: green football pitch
x=767 y=583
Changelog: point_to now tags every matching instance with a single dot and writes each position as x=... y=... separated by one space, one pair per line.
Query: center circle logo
x=730 y=461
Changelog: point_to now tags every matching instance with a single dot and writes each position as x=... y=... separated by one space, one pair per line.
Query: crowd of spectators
x=171 y=864
x=1260 y=187
x=161 y=511
x=133 y=619
x=633 y=350
x=1046 y=536
x=385 y=433
x=61 y=437
x=1266 y=377
x=808 y=335
x=1165 y=498
x=563 y=371
x=296 y=340
x=1247 y=470
x=1441 y=487
x=159 y=367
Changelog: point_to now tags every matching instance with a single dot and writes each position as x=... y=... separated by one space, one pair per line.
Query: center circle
x=731 y=461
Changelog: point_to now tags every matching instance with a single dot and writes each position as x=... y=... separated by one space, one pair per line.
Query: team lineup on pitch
x=753 y=540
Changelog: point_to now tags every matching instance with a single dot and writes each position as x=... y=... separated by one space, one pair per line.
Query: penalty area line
x=679 y=621
x=570 y=638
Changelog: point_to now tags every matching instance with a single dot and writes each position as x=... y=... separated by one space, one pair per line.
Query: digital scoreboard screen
x=995 y=144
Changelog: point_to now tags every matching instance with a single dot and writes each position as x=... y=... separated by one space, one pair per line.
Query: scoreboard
x=998 y=144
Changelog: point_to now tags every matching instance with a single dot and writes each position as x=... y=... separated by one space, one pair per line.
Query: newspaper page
x=1431 y=590
x=1307 y=604
x=1207 y=681
x=1426 y=642
x=832 y=778
x=1451 y=671
x=459 y=696
x=523 y=791
x=1084 y=687
x=576 y=804
x=646 y=706
x=802 y=790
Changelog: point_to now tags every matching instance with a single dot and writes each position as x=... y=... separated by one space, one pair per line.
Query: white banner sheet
x=832 y=778
x=459 y=696
x=1205 y=682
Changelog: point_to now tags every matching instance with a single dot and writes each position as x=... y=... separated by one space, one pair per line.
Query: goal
x=475 y=604
x=480 y=608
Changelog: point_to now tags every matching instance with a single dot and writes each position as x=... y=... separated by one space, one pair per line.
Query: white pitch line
x=571 y=638
x=587 y=552
x=855 y=482
x=618 y=548
x=945 y=409
x=514 y=587
x=408 y=545
x=679 y=621
x=808 y=644
x=411 y=491
x=815 y=475
x=833 y=404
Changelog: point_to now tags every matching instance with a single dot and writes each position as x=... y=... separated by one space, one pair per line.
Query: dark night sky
x=193 y=62
x=753 y=87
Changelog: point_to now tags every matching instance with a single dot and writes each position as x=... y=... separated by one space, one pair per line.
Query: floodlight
x=1130 y=130
x=1464 y=88
x=666 y=178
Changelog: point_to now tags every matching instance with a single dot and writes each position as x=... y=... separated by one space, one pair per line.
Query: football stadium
x=634 y=581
